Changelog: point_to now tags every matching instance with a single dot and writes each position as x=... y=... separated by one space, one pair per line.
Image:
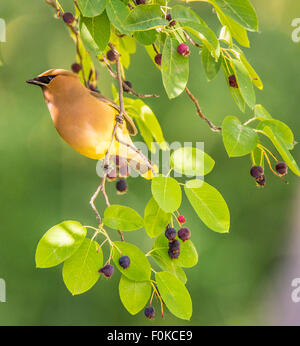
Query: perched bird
x=86 y=119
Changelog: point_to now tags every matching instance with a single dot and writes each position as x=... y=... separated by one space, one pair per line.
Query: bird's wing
x=129 y=122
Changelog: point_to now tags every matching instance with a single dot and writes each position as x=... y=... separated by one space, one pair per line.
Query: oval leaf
x=239 y=140
x=174 y=294
x=91 y=8
x=80 y=272
x=191 y=161
x=155 y=219
x=211 y=67
x=122 y=218
x=174 y=69
x=117 y=11
x=209 y=205
x=139 y=269
x=134 y=294
x=59 y=243
x=167 y=193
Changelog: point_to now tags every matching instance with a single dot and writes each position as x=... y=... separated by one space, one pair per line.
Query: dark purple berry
x=111 y=56
x=168 y=17
x=124 y=262
x=76 y=67
x=140 y=2
x=68 y=18
x=184 y=234
x=157 y=59
x=129 y=84
x=121 y=186
x=232 y=81
x=183 y=49
x=174 y=249
x=149 y=312
x=170 y=233
x=261 y=181
x=172 y=23
x=256 y=171
x=107 y=270
x=281 y=168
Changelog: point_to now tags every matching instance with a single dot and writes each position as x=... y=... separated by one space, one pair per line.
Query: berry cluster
x=257 y=172
x=174 y=245
x=182 y=49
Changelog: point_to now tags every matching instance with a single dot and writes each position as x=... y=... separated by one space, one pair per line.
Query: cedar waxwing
x=85 y=119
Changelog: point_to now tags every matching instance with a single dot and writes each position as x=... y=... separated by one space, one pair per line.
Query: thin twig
x=193 y=98
x=128 y=89
x=191 y=40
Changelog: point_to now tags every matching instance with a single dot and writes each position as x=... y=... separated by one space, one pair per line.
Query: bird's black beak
x=35 y=81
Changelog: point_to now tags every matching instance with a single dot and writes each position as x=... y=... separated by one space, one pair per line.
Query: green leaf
x=261 y=113
x=282 y=149
x=59 y=243
x=122 y=218
x=280 y=131
x=169 y=266
x=146 y=37
x=95 y=32
x=209 y=205
x=174 y=294
x=184 y=14
x=174 y=69
x=238 y=32
x=155 y=219
x=239 y=140
x=191 y=161
x=225 y=35
x=211 y=66
x=167 y=193
x=134 y=294
x=240 y=10
x=91 y=8
x=117 y=11
x=144 y=18
x=244 y=82
x=204 y=34
x=188 y=254
x=80 y=272
x=146 y=121
x=139 y=269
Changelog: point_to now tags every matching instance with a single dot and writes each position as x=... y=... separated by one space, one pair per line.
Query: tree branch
x=202 y=116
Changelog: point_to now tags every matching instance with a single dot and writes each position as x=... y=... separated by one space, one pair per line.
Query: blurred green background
x=43 y=181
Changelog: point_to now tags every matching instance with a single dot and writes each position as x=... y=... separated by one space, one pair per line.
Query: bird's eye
x=46 y=79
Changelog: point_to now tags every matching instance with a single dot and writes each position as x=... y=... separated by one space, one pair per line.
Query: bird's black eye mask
x=41 y=81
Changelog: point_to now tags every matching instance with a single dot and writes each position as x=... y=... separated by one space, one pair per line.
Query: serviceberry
x=107 y=270
x=183 y=49
x=124 y=262
x=149 y=312
x=76 y=67
x=281 y=168
x=181 y=219
x=170 y=233
x=140 y=2
x=174 y=249
x=157 y=59
x=256 y=171
x=232 y=81
x=111 y=56
x=68 y=18
x=129 y=84
x=184 y=234
x=121 y=186
x=168 y=17
x=172 y=23
x=261 y=181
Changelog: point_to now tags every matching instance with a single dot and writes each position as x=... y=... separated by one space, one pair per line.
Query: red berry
x=232 y=81
x=281 y=168
x=183 y=49
x=68 y=18
x=184 y=234
x=181 y=219
x=76 y=67
x=157 y=59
